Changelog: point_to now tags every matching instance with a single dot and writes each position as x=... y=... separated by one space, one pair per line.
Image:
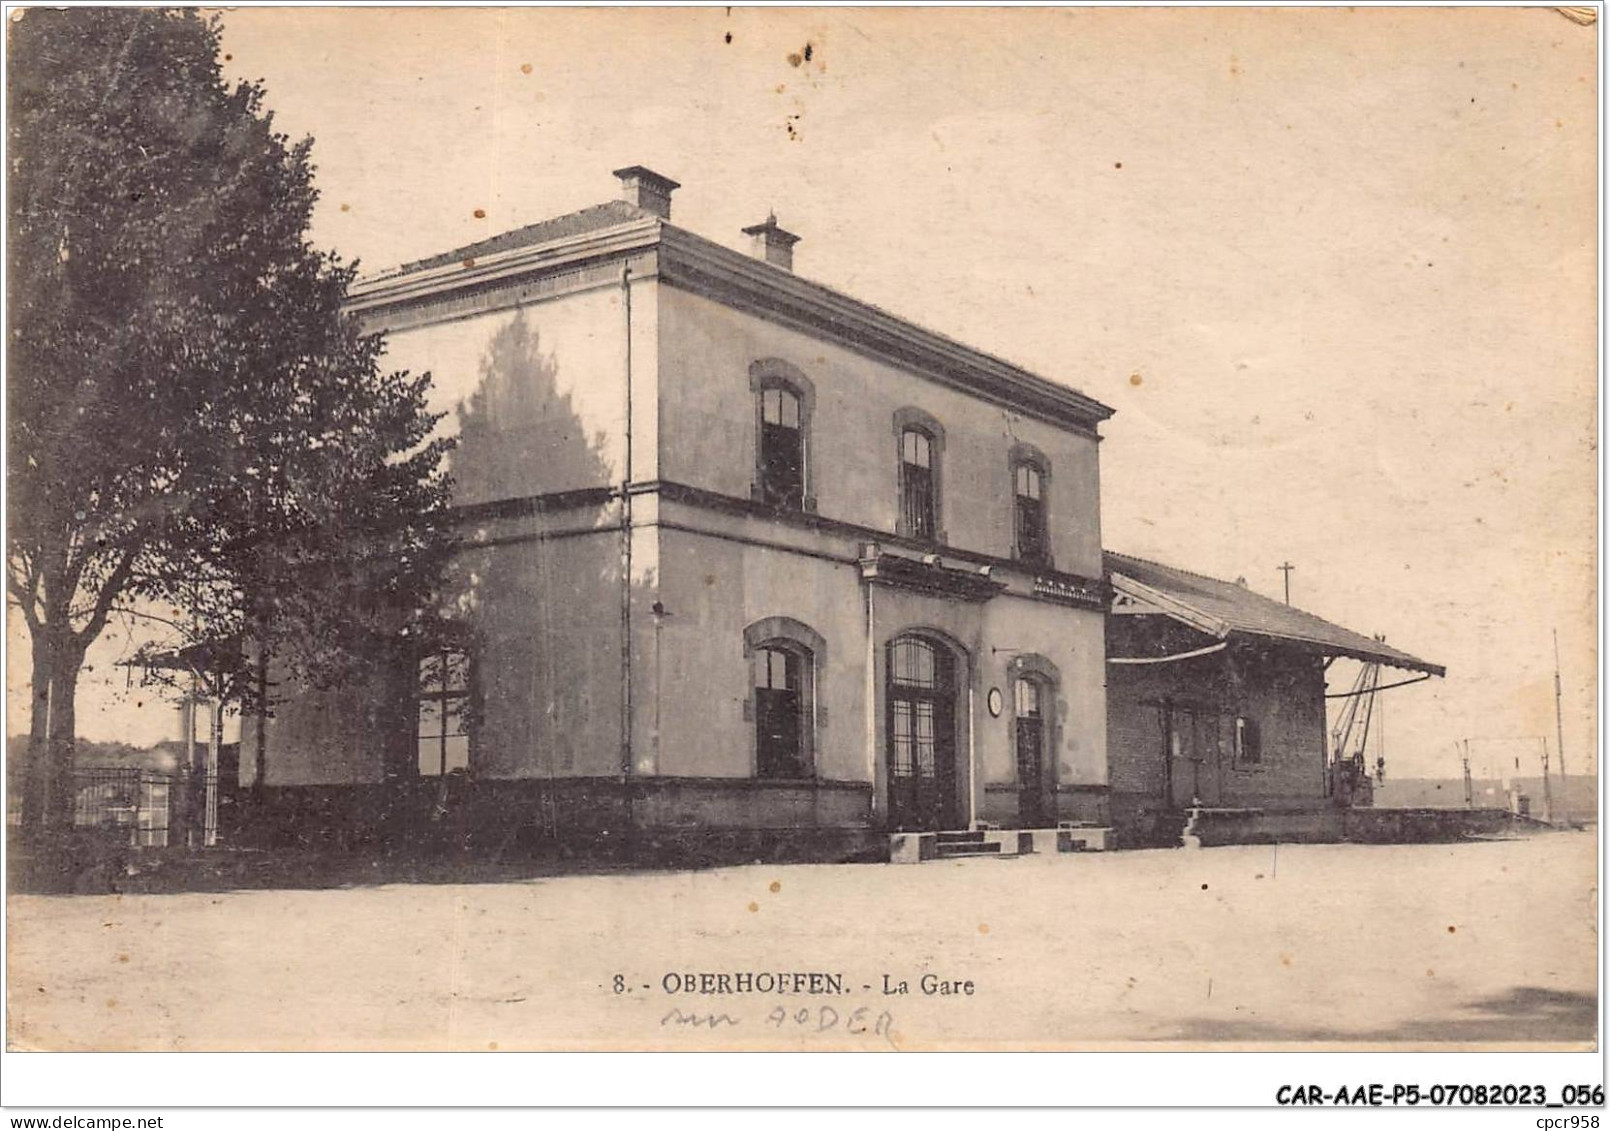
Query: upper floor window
x=1030 y=513
x=442 y=714
x=917 y=484
x=783 y=399
x=920 y=455
x=1031 y=482
x=782 y=449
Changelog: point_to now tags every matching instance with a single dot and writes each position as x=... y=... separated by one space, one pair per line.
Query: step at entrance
x=915 y=847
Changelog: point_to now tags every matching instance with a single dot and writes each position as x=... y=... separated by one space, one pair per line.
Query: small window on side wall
x=1248 y=750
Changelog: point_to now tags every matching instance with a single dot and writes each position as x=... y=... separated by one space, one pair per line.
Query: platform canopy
x=1228 y=609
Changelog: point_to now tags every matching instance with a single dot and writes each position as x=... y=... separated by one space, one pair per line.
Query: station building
x=739 y=552
x=745 y=559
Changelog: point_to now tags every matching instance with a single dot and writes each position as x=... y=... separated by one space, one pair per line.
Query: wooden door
x=1210 y=757
x=1183 y=766
x=1029 y=701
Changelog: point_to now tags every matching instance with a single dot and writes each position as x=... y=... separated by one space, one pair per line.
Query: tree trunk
x=36 y=770
x=260 y=765
x=47 y=798
x=63 y=662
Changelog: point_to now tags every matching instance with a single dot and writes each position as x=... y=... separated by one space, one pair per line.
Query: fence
x=124 y=798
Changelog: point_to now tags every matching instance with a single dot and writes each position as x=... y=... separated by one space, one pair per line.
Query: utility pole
x=1470 y=793
x=1559 y=731
x=1548 y=796
x=1286 y=568
x=186 y=781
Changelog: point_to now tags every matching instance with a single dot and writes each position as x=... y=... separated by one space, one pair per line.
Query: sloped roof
x=1239 y=609
x=599 y=216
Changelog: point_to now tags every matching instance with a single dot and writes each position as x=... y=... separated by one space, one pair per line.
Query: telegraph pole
x=1470 y=793
x=1548 y=796
x=1286 y=568
x=1559 y=733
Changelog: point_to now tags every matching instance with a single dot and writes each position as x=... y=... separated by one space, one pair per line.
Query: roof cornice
x=699 y=265
x=373 y=294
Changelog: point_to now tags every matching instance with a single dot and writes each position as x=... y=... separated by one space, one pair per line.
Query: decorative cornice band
x=1048 y=585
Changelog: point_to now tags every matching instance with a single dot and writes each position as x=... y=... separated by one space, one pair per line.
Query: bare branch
x=111 y=589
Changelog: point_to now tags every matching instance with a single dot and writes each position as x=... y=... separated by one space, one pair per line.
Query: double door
x=922 y=738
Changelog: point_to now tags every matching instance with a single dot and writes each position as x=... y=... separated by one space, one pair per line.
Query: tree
x=192 y=418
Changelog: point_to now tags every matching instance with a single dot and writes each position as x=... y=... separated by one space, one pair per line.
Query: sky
x=1334 y=269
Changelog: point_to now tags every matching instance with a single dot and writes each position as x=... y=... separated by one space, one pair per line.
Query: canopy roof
x=222 y=654
x=1226 y=608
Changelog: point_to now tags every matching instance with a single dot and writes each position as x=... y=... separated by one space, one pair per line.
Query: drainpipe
x=626 y=562
x=972 y=755
x=871 y=702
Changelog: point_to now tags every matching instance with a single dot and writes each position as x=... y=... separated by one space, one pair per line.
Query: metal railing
x=124 y=798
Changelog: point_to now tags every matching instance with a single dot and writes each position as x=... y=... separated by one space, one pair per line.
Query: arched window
x=782 y=448
x=916 y=663
x=917 y=483
x=922 y=449
x=783 y=402
x=784 y=655
x=1031 y=481
x=442 y=717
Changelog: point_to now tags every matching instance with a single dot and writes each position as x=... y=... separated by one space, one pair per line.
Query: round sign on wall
x=995 y=702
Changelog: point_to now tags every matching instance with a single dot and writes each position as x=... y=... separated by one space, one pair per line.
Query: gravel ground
x=1364 y=946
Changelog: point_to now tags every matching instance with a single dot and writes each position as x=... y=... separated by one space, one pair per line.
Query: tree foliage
x=192 y=419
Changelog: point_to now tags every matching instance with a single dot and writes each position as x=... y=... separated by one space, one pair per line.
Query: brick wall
x=1280 y=690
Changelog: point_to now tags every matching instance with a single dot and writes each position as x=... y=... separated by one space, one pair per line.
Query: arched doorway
x=922 y=735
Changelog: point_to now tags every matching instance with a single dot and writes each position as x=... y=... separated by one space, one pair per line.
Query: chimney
x=769 y=242
x=647 y=190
